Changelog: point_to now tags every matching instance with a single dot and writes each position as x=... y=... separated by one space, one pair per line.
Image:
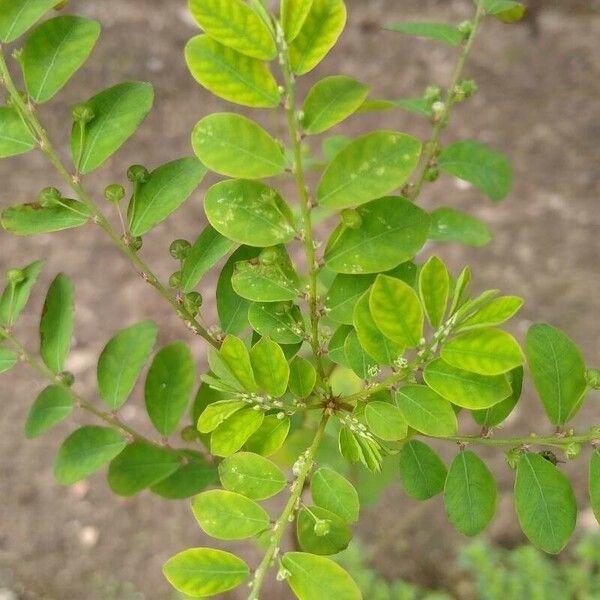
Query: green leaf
x=434 y=289
x=386 y=421
x=330 y=101
x=451 y=225
x=333 y=145
x=293 y=14
x=270 y=279
x=391 y=231
x=396 y=310
x=461 y=288
x=558 y=371
x=371 y=166
x=252 y=476
x=118 y=112
x=15 y=137
x=343 y=295
x=53 y=404
x=15 y=295
x=495 y=312
x=139 y=466
x=507 y=11
x=417 y=106
x=377 y=345
x=493 y=416
x=310 y=575
x=188 y=480
x=335 y=493
x=319 y=33
x=234 y=432
x=56 y=324
x=231 y=75
x=470 y=494
x=8 y=359
x=545 y=503
x=229 y=516
x=594 y=482
x=217 y=412
x=236 y=357
x=270 y=367
x=357 y=358
x=426 y=411
x=168 y=187
x=31 y=219
x=279 y=321
x=203 y=572
x=269 y=437
x=54 y=52
x=303 y=377
x=489 y=171
x=17 y=16
x=440 y=32
x=249 y=212
x=235 y=25
x=335 y=350
x=85 y=451
x=122 y=360
x=169 y=385
x=422 y=471
x=484 y=351
x=233 y=309
x=210 y=246
x=233 y=145
x=321 y=532
x=464 y=388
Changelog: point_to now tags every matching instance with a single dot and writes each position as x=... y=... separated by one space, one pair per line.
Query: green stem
x=305 y=202
x=533 y=439
x=98 y=217
x=109 y=418
x=288 y=512
x=442 y=119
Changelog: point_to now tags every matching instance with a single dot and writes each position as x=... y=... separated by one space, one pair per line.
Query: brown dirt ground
x=538 y=103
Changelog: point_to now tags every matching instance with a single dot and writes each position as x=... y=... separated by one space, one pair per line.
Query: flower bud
x=138 y=174
x=432 y=93
x=322 y=527
x=136 y=243
x=15 y=276
x=192 y=302
x=49 y=196
x=437 y=109
x=114 y=192
x=431 y=174
x=67 y=378
x=572 y=451
x=351 y=218
x=189 y=434
x=512 y=457
x=175 y=280
x=268 y=256
x=466 y=28
x=180 y=249
x=593 y=378
x=82 y=113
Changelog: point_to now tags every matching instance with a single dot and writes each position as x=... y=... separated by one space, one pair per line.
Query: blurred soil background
x=538 y=102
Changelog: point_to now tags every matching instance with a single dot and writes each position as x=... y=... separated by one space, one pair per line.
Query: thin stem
x=107 y=417
x=442 y=118
x=305 y=202
x=98 y=217
x=533 y=439
x=306 y=462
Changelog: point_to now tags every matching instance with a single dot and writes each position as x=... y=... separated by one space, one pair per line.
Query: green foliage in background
x=339 y=360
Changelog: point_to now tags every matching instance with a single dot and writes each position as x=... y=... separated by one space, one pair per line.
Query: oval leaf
x=426 y=411
x=493 y=416
x=85 y=451
x=493 y=313
x=56 y=324
x=233 y=433
x=167 y=189
x=203 y=572
x=231 y=75
x=451 y=225
x=386 y=421
x=15 y=295
x=54 y=52
x=391 y=231
x=53 y=404
x=434 y=289
x=118 y=112
x=233 y=145
x=470 y=494
x=332 y=491
x=252 y=476
x=440 y=32
x=270 y=367
x=278 y=321
x=422 y=471
x=293 y=14
x=269 y=437
x=249 y=212
x=229 y=516
x=303 y=377
x=15 y=137
x=371 y=166
x=332 y=535
x=343 y=294
x=32 y=219
x=545 y=503
x=17 y=16
x=122 y=360
x=188 y=480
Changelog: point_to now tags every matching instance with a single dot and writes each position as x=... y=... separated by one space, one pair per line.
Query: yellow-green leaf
x=270 y=367
x=293 y=13
x=434 y=289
